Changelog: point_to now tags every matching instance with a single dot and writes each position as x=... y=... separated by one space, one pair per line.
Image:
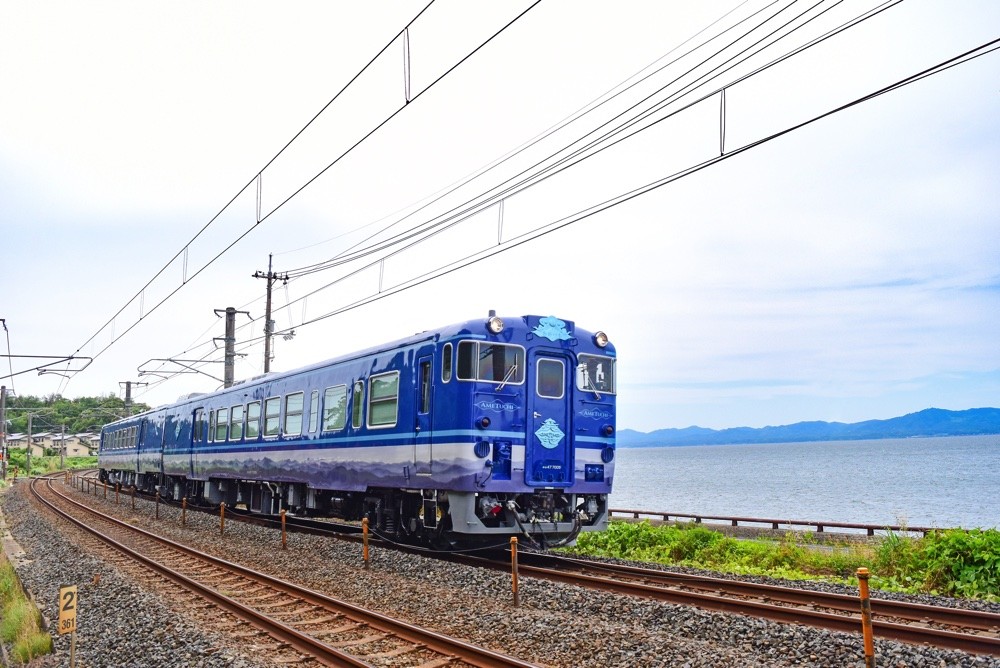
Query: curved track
x=938 y=626
x=330 y=631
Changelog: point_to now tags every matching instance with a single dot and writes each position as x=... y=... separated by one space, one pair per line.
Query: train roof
x=475 y=327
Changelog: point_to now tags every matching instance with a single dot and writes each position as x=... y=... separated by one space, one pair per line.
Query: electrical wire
x=982 y=50
x=475 y=257
x=730 y=60
x=579 y=113
x=243 y=190
x=457 y=215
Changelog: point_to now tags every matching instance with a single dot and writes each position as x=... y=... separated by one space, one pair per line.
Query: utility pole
x=3 y=429
x=128 y=395
x=268 y=322
x=27 y=452
x=62 y=449
x=230 y=341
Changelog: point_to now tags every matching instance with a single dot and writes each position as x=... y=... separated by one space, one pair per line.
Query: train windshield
x=492 y=362
x=595 y=374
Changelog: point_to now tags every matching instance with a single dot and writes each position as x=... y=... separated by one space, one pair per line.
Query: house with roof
x=20 y=442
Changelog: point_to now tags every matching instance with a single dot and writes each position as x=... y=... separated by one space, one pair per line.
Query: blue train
x=466 y=434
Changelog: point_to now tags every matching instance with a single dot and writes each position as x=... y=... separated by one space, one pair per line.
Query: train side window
x=549 y=381
x=199 y=425
x=335 y=408
x=466 y=356
x=383 y=399
x=446 y=363
x=236 y=423
x=221 y=424
x=253 y=419
x=293 y=414
x=211 y=426
x=357 y=403
x=272 y=414
x=425 y=387
x=314 y=411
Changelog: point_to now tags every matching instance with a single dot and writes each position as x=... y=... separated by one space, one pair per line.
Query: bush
x=952 y=562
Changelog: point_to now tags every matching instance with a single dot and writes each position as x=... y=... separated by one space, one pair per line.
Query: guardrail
x=820 y=527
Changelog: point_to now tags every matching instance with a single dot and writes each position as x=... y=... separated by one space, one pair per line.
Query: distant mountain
x=929 y=422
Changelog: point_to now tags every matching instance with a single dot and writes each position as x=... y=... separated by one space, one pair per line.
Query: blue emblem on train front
x=549 y=434
x=552 y=329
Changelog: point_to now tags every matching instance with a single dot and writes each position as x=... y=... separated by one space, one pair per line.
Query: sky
x=845 y=271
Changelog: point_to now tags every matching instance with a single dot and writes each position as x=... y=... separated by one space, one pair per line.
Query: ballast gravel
x=121 y=623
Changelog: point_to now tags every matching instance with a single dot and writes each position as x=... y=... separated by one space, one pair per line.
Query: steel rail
x=722 y=600
x=918 y=612
x=437 y=642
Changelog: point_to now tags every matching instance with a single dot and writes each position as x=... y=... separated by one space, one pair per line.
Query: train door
x=423 y=447
x=140 y=442
x=548 y=450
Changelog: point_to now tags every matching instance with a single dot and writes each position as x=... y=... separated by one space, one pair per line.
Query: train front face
x=540 y=394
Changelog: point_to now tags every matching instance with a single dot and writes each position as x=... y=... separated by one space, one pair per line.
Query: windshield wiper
x=587 y=381
x=506 y=377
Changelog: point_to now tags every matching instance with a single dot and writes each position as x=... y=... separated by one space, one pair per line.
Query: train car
x=466 y=434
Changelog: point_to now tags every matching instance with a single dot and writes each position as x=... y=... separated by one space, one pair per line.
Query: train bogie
x=468 y=433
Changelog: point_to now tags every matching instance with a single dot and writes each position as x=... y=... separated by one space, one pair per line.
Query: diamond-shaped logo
x=549 y=434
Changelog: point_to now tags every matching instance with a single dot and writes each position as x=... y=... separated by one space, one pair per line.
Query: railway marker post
x=364 y=541
x=513 y=570
x=284 y=542
x=866 y=618
x=67 y=617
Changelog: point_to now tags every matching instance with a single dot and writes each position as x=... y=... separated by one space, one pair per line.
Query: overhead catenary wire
x=609 y=95
x=261 y=218
x=472 y=207
x=530 y=178
x=733 y=61
x=943 y=66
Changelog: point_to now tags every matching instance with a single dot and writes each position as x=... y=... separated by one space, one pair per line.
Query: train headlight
x=607 y=430
x=601 y=340
x=483 y=422
x=494 y=324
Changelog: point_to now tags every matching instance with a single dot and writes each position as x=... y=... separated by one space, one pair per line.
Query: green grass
x=45 y=465
x=20 y=621
x=951 y=562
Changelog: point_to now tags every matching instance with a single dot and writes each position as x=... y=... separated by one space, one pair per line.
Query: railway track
x=954 y=628
x=937 y=626
x=327 y=630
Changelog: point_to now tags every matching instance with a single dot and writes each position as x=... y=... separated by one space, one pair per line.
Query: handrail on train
x=775 y=524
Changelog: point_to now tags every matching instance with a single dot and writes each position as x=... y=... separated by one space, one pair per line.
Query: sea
x=928 y=482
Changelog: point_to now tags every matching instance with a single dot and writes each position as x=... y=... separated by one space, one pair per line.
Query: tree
x=84 y=414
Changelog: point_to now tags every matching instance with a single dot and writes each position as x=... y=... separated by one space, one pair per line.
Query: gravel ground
x=124 y=624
